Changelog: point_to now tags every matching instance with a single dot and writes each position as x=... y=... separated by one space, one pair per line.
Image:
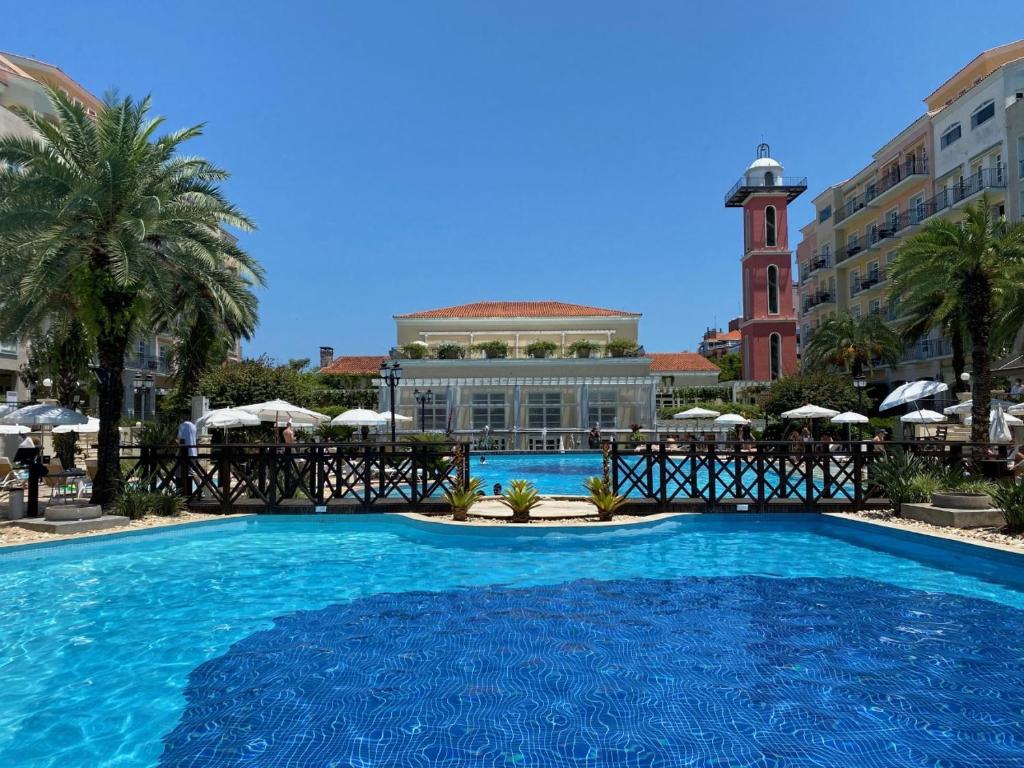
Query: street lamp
x=423 y=398
x=965 y=378
x=860 y=383
x=391 y=373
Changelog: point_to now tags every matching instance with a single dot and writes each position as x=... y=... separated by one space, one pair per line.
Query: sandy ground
x=12 y=534
x=975 y=535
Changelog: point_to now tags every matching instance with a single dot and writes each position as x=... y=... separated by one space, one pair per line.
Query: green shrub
x=492 y=348
x=462 y=499
x=133 y=504
x=621 y=348
x=541 y=348
x=921 y=488
x=1008 y=498
x=166 y=504
x=521 y=497
x=414 y=350
x=451 y=351
x=894 y=475
x=583 y=347
x=603 y=497
x=334 y=433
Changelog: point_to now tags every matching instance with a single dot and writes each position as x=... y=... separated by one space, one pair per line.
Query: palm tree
x=107 y=212
x=920 y=312
x=853 y=344
x=977 y=265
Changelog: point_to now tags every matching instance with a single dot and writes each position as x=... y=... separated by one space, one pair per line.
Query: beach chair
x=11 y=478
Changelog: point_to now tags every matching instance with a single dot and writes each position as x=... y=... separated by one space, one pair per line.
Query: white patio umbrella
x=958 y=409
x=1011 y=420
x=388 y=416
x=911 y=392
x=227 y=418
x=45 y=415
x=14 y=429
x=91 y=427
x=728 y=420
x=280 y=411
x=7 y=408
x=1016 y=410
x=849 y=417
x=809 y=411
x=923 y=416
x=999 y=429
x=697 y=413
x=359 y=417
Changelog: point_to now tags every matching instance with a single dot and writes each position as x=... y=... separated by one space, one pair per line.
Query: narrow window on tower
x=773 y=290
x=769 y=226
x=775 y=356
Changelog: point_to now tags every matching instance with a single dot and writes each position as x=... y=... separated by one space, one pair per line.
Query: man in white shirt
x=1017 y=390
x=187 y=437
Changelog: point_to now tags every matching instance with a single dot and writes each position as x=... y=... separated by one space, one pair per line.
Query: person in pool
x=497 y=489
x=483 y=459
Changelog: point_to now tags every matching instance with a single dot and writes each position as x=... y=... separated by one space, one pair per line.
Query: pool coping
x=994 y=545
x=545 y=524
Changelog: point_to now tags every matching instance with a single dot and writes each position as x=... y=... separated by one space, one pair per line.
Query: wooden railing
x=763 y=475
x=263 y=477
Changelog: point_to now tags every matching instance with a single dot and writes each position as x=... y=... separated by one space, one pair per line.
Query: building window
x=775 y=356
x=769 y=226
x=9 y=347
x=825 y=214
x=602 y=405
x=544 y=410
x=950 y=135
x=435 y=413
x=983 y=114
x=488 y=410
x=773 y=290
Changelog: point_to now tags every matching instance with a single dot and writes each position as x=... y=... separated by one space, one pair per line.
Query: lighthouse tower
x=768 y=325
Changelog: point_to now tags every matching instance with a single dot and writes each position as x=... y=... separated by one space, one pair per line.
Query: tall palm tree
x=921 y=312
x=108 y=212
x=853 y=344
x=977 y=264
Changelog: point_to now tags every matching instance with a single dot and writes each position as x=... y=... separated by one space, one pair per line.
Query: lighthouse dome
x=764 y=171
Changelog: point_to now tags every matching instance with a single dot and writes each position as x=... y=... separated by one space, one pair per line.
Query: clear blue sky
x=405 y=155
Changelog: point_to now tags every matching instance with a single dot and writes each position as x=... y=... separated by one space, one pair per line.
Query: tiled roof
x=680 y=361
x=726 y=336
x=355 y=364
x=519 y=309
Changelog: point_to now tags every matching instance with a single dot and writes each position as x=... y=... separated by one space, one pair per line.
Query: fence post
x=662 y=463
x=712 y=473
x=271 y=457
x=367 y=473
x=417 y=467
x=694 y=491
x=808 y=476
x=858 y=474
x=319 y=471
x=224 y=476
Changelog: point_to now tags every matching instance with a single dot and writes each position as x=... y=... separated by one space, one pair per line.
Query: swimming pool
x=380 y=641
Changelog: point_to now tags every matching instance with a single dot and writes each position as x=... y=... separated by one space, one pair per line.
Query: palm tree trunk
x=956 y=340
x=977 y=291
x=111 y=349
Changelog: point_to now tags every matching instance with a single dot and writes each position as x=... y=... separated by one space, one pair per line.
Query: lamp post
x=859 y=383
x=423 y=398
x=391 y=373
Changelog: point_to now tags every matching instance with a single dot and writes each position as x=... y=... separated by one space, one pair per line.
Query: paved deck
x=549 y=509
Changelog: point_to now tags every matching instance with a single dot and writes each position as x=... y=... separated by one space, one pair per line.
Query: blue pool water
x=379 y=641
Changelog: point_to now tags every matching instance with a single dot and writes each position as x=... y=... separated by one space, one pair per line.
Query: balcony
x=790 y=186
x=851 y=250
x=147 y=363
x=814 y=264
x=926 y=349
x=914 y=216
x=977 y=182
x=879 y=234
x=819 y=298
x=897 y=174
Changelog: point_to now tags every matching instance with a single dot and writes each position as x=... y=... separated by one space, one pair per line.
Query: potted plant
x=450 y=351
x=540 y=349
x=493 y=349
x=521 y=496
x=461 y=499
x=584 y=347
x=602 y=497
x=621 y=347
x=415 y=350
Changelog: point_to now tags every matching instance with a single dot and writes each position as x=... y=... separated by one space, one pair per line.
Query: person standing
x=594 y=438
x=189 y=450
x=289 y=433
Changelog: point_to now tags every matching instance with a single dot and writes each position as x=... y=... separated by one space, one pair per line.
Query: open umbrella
x=911 y=392
x=697 y=413
x=923 y=416
x=809 y=411
x=14 y=429
x=1016 y=410
x=959 y=409
x=45 y=415
x=359 y=417
x=1010 y=419
x=280 y=411
x=388 y=416
x=91 y=427
x=227 y=418
x=731 y=420
x=849 y=418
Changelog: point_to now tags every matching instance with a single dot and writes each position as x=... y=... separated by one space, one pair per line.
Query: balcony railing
x=149 y=363
x=980 y=180
x=822 y=297
x=898 y=173
x=815 y=263
x=791 y=186
x=927 y=349
x=851 y=250
x=866 y=283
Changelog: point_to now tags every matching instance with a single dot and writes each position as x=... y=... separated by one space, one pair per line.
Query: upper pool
x=381 y=641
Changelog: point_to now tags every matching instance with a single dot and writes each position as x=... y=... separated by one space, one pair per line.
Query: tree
x=920 y=312
x=107 y=213
x=731 y=365
x=255 y=381
x=829 y=390
x=978 y=266
x=852 y=344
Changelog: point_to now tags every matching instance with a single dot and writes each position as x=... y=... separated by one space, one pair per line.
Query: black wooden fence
x=233 y=476
x=764 y=475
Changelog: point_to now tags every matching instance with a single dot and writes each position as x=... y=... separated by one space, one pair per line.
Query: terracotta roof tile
x=680 y=361
x=519 y=309
x=355 y=364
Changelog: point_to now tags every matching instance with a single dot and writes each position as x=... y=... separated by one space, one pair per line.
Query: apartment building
x=969 y=141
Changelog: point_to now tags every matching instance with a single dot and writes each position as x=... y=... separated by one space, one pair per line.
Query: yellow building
x=969 y=141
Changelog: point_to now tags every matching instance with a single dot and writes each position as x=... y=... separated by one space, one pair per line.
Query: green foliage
x=541 y=348
x=921 y=487
x=333 y=433
x=852 y=344
x=166 y=504
x=1008 y=498
x=461 y=499
x=603 y=497
x=894 y=474
x=521 y=497
x=829 y=390
x=718 y=394
x=744 y=409
x=255 y=381
x=731 y=365
x=583 y=347
x=432 y=449
x=414 y=350
x=158 y=433
x=621 y=348
x=135 y=504
x=450 y=351
x=494 y=348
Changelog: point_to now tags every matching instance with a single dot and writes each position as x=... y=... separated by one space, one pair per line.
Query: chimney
x=326 y=356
